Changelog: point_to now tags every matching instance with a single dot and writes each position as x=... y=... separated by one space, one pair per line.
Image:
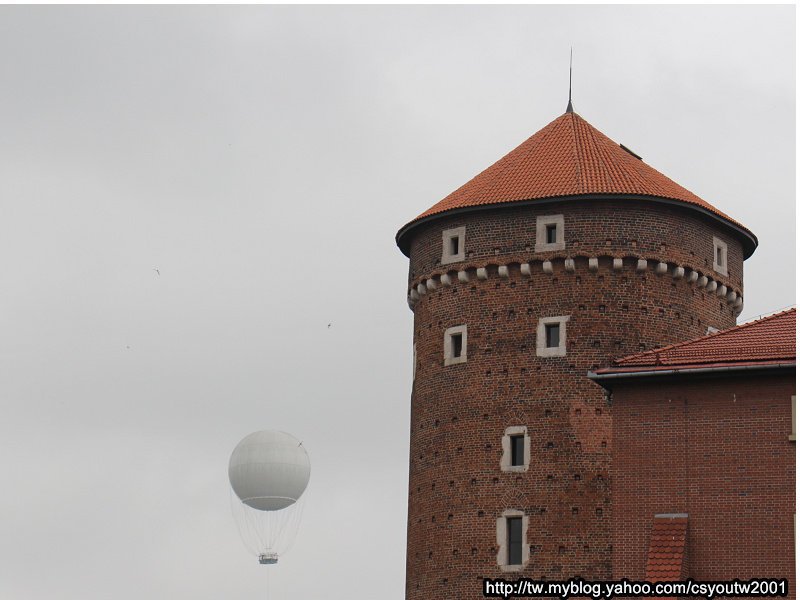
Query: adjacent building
x=704 y=448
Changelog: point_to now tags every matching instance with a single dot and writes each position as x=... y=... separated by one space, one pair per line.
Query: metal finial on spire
x=569 y=104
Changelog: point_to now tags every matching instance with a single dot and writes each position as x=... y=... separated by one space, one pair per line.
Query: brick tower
x=566 y=253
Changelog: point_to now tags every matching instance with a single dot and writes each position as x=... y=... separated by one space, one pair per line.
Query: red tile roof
x=568 y=158
x=766 y=341
x=667 y=552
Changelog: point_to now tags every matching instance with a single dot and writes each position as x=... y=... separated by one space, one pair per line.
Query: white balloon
x=269 y=470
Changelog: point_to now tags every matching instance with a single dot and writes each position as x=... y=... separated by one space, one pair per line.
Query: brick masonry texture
x=592 y=228
x=459 y=412
x=719 y=450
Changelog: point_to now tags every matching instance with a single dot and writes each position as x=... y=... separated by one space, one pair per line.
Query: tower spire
x=569 y=103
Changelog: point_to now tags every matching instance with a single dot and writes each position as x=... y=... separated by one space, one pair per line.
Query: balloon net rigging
x=267 y=532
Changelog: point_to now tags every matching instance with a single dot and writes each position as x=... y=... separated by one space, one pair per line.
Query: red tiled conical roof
x=569 y=158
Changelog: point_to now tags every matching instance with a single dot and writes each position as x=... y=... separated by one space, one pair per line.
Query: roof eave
x=747 y=237
x=607 y=377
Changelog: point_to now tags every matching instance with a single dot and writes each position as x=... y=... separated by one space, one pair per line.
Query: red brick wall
x=595 y=228
x=459 y=412
x=717 y=449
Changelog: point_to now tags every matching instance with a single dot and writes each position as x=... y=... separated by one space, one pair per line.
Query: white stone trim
x=720 y=267
x=449 y=359
x=448 y=235
x=704 y=282
x=505 y=460
x=541 y=340
x=541 y=233
x=502 y=541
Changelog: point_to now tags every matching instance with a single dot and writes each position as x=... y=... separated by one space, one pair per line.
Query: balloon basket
x=268 y=558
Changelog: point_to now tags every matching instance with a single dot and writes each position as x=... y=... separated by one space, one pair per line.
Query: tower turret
x=566 y=253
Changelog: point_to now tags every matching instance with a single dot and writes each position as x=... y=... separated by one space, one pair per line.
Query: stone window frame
x=447 y=235
x=505 y=459
x=502 y=541
x=541 y=336
x=541 y=233
x=720 y=267
x=449 y=359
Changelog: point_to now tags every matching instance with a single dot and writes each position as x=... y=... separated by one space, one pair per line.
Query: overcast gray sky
x=262 y=158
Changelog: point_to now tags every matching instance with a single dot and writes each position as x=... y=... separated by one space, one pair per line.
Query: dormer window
x=720 y=256
x=550 y=233
x=455 y=345
x=453 y=245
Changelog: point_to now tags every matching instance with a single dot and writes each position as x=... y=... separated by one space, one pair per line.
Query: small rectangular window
x=552 y=233
x=549 y=233
x=514 y=528
x=454 y=246
x=517 y=450
x=720 y=256
x=456 y=345
x=552 y=333
x=551 y=336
